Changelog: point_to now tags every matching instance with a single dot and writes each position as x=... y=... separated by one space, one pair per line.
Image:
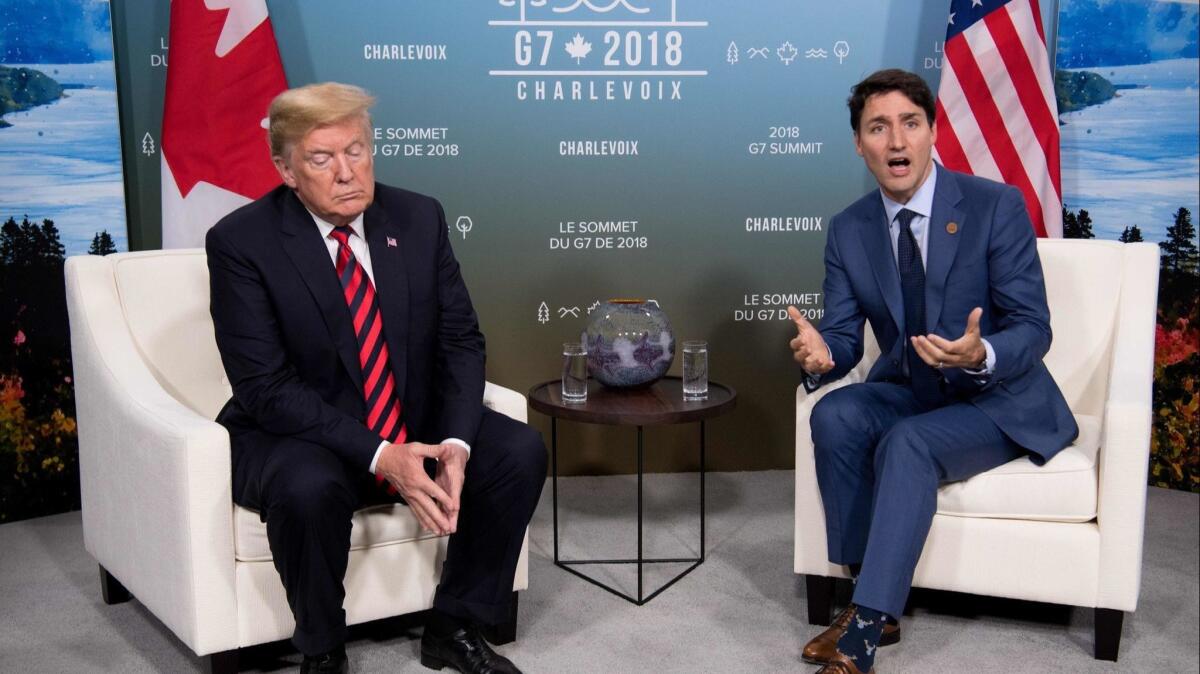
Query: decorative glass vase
x=629 y=342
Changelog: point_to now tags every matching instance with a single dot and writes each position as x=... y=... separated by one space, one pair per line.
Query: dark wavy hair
x=886 y=81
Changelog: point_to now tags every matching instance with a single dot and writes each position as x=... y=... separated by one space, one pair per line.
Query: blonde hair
x=297 y=111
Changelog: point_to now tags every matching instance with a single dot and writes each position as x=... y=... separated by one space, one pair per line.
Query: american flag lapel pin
x=391 y=242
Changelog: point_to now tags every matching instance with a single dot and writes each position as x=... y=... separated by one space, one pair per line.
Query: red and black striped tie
x=379 y=385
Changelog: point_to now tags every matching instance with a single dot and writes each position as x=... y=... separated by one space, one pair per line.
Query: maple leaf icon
x=787 y=53
x=578 y=48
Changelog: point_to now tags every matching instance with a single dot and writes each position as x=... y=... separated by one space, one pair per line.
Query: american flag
x=996 y=112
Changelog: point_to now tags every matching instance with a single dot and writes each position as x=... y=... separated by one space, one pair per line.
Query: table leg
x=554 y=478
x=640 y=561
x=639 y=516
x=701 y=490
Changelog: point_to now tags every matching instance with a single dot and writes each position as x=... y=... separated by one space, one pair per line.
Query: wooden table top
x=657 y=404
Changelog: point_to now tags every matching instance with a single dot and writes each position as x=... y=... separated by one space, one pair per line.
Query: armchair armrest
x=154 y=475
x=505 y=401
x=1125 y=438
x=811 y=545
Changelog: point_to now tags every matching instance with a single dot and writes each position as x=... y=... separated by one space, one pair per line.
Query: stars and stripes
x=996 y=112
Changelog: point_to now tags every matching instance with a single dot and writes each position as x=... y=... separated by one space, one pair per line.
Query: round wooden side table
x=658 y=404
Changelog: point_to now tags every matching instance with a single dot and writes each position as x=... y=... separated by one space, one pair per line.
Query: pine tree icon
x=731 y=54
x=543 y=315
x=147 y=144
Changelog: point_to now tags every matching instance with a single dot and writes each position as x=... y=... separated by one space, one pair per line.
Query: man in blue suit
x=945 y=268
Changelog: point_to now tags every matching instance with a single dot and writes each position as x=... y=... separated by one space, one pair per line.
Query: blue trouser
x=880 y=456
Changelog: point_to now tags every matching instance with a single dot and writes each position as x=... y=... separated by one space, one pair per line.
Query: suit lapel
x=943 y=245
x=878 y=244
x=302 y=242
x=391 y=286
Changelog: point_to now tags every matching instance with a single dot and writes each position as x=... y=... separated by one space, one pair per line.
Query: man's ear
x=285 y=173
x=858 y=144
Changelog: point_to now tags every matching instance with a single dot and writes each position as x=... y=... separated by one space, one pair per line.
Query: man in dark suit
x=945 y=268
x=357 y=363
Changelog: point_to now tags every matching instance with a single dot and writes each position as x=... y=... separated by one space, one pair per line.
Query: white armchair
x=1069 y=532
x=158 y=513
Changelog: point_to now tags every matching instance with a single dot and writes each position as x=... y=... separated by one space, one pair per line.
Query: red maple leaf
x=215 y=105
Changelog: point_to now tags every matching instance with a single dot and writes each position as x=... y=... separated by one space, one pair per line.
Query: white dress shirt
x=358 y=246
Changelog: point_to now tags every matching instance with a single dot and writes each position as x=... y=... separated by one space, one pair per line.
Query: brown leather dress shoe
x=840 y=664
x=823 y=647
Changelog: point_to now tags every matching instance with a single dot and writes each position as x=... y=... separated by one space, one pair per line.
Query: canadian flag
x=224 y=70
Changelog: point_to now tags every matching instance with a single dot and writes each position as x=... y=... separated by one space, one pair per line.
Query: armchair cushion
x=1062 y=490
x=378 y=525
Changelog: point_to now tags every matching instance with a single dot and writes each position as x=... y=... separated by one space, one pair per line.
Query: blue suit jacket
x=990 y=260
x=287 y=340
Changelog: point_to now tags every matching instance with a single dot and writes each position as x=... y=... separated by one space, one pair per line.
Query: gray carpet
x=741 y=611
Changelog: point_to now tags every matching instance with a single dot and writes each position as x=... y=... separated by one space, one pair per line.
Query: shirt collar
x=921 y=202
x=356 y=225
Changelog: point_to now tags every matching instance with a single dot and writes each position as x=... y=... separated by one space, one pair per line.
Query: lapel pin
x=392 y=241
x=952 y=228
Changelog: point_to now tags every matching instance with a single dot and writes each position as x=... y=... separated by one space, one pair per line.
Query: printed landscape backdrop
x=1127 y=85
x=1129 y=101
x=61 y=194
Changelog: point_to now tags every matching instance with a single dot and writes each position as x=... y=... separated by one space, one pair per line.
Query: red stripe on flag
x=1025 y=82
x=948 y=146
x=1037 y=19
x=991 y=124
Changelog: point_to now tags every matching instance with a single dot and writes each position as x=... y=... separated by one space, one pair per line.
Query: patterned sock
x=862 y=637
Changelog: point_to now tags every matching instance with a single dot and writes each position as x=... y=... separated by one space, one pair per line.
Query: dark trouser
x=306 y=496
x=880 y=456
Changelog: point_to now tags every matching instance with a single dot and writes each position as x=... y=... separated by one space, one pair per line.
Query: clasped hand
x=434 y=502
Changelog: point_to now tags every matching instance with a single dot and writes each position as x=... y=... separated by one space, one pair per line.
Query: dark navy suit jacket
x=287 y=340
x=987 y=259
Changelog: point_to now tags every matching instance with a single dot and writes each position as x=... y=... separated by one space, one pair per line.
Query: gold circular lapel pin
x=952 y=228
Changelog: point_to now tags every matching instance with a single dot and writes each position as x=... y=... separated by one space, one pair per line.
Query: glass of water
x=695 y=370
x=574 y=373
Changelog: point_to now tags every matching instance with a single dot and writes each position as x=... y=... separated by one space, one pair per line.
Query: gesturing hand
x=451 y=470
x=404 y=467
x=966 y=351
x=808 y=346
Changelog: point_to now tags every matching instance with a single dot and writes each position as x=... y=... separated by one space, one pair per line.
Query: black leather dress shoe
x=465 y=650
x=333 y=662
